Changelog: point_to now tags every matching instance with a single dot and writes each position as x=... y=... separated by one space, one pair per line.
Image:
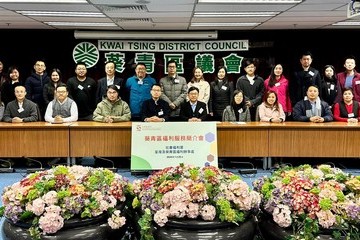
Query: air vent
x=124 y=20
x=123 y=9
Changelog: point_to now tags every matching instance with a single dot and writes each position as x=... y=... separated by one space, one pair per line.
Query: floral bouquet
x=48 y=198
x=186 y=191
x=309 y=199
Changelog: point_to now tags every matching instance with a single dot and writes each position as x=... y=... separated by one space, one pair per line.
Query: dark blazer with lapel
x=186 y=111
x=102 y=87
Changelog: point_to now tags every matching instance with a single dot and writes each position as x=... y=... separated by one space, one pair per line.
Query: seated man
x=155 y=109
x=21 y=109
x=193 y=110
x=112 y=109
x=62 y=108
x=311 y=108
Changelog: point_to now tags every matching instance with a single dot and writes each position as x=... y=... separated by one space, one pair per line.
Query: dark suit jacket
x=186 y=111
x=102 y=87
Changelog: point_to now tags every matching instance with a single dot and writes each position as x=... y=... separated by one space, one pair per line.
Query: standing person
x=21 y=109
x=109 y=79
x=347 y=110
x=2 y=74
x=193 y=110
x=2 y=109
x=221 y=94
x=312 y=108
x=349 y=78
x=49 y=88
x=8 y=88
x=34 y=85
x=112 y=108
x=329 y=85
x=82 y=89
x=139 y=87
x=204 y=87
x=62 y=108
x=280 y=85
x=270 y=110
x=237 y=111
x=252 y=86
x=305 y=77
x=155 y=109
x=174 y=90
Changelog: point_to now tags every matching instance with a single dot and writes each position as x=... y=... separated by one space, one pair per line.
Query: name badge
x=80 y=87
x=350 y=115
x=176 y=80
x=118 y=87
x=20 y=110
x=357 y=82
x=240 y=110
x=277 y=84
x=160 y=113
x=223 y=88
x=311 y=73
x=332 y=86
x=201 y=110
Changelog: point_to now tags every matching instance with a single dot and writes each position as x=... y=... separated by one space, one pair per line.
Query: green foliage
x=145 y=225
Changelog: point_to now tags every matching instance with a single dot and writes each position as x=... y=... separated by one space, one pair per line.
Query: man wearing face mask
x=139 y=89
x=174 y=90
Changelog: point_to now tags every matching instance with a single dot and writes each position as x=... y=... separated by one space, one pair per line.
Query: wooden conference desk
x=303 y=139
x=255 y=139
x=34 y=139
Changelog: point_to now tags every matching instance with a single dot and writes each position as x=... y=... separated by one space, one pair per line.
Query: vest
x=62 y=110
x=344 y=113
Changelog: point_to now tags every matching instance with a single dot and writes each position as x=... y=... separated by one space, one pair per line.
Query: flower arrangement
x=186 y=191
x=309 y=199
x=46 y=199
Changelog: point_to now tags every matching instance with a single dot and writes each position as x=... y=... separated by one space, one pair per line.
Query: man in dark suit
x=193 y=110
x=109 y=79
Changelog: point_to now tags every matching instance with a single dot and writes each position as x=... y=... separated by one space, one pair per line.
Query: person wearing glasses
x=112 y=108
x=252 y=86
x=62 y=108
x=155 y=109
x=193 y=110
x=139 y=87
x=174 y=89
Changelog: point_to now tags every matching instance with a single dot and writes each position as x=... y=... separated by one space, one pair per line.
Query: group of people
x=307 y=97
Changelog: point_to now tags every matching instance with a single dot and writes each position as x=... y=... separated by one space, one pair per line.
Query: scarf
x=308 y=107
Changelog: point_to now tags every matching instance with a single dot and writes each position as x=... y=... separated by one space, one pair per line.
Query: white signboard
x=155 y=146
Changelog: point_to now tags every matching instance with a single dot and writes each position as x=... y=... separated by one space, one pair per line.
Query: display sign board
x=155 y=146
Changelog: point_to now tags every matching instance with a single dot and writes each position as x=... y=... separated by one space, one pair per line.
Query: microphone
x=7 y=169
x=32 y=170
x=113 y=168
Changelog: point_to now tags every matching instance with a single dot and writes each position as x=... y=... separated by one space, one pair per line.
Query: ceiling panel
x=178 y=15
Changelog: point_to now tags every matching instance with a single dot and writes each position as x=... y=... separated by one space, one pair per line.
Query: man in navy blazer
x=110 y=79
x=193 y=110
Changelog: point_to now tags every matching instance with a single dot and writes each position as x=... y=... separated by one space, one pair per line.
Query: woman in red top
x=348 y=109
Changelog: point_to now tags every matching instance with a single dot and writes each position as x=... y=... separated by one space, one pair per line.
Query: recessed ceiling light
x=251 y=1
x=43 y=1
x=235 y=14
x=232 y=24
x=346 y=24
x=61 y=14
x=81 y=24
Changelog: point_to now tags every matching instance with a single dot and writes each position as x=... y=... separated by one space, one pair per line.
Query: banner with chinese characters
x=155 y=146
